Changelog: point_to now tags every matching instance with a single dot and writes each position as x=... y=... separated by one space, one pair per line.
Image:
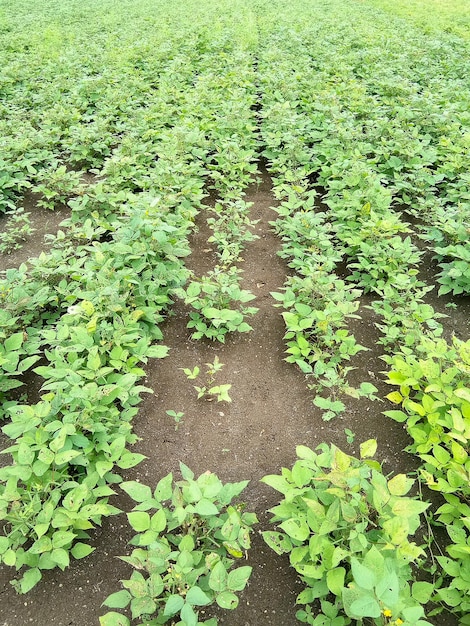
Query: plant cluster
x=91 y=307
x=219 y=304
x=209 y=391
x=231 y=230
x=17 y=229
x=434 y=392
x=188 y=539
x=161 y=115
x=376 y=141
x=346 y=529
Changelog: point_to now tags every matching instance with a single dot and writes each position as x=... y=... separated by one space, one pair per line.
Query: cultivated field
x=234 y=341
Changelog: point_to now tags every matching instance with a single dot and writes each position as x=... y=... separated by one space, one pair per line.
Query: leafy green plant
x=177 y=416
x=218 y=303
x=231 y=230
x=189 y=536
x=346 y=528
x=350 y=435
x=16 y=230
x=209 y=391
x=18 y=353
x=450 y=238
x=57 y=186
x=434 y=392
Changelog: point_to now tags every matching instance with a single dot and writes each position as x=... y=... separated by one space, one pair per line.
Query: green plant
x=218 y=303
x=57 y=186
x=350 y=435
x=188 y=538
x=434 y=392
x=209 y=391
x=450 y=238
x=231 y=230
x=331 y=407
x=346 y=529
x=17 y=229
x=177 y=416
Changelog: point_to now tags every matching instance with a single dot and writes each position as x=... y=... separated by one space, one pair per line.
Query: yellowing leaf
x=395 y=397
x=400 y=484
x=368 y=448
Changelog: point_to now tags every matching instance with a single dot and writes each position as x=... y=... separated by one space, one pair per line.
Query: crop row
x=356 y=124
x=163 y=115
x=91 y=307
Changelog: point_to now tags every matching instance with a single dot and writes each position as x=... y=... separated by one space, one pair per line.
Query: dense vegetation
x=131 y=115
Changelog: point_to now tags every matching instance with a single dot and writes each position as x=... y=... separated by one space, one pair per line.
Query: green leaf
x=164 y=488
x=335 y=580
x=279 y=483
x=301 y=475
x=186 y=473
x=114 y=619
x=341 y=460
x=197 y=597
x=13 y=343
x=61 y=557
x=25 y=454
x=413 y=613
x=9 y=557
x=408 y=508
x=130 y=459
x=303 y=452
x=363 y=576
x=30 y=578
x=395 y=397
x=61 y=538
x=238 y=578
x=422 y=591
x=4 y=544
x=158 y=521
x=452 y=597
x=218 y=577
x=188 y=616
x=142 y=606
x=279 y=542
x=81 y=550
x=296 y=528
x=118 y=600
x=463 y=393
x=173 y=604
x=365 y=607
x=61 y=458
x=44 y=544
x=139 y=520
x=137 y=491
x=157 y=351
x=227 y=600
x=205 y=507
x=398 y=416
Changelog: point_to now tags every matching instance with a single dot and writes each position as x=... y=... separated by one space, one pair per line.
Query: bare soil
x=270 y=414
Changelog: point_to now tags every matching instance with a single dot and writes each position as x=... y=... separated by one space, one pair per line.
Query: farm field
x=234 y=239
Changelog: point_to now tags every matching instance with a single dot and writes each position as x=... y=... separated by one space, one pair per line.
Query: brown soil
x=271 y=412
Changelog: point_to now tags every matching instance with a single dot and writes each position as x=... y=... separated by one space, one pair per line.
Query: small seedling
x=209 y=391
x=350 y=436
x=177 y=416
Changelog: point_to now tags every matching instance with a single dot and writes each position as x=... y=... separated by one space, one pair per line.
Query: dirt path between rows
x=271 y=412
